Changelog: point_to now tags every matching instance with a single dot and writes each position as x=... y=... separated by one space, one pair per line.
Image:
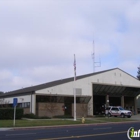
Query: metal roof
x=32 y=89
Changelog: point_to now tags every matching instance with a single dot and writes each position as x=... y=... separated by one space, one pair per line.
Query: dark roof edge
x=16 y=94
x=49 y=84
x=54 y=83
x=128 y=74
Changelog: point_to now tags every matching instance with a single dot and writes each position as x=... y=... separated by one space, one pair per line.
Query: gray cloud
x=38 y=38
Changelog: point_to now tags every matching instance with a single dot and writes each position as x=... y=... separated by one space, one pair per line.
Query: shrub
x=44 y=117
x=8 y=113
x=33 y=116
x=63 y=116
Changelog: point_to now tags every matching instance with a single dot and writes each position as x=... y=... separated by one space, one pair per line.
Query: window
x=48 y=99
x=120 y=108
x=82 y=100
x=60 y=99
x=87 y=99
x=115 y=109
x=24 y=105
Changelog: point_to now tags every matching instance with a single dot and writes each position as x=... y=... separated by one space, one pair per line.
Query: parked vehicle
x=117 y=111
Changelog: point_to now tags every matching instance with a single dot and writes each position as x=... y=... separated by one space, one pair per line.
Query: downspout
x=31 y=101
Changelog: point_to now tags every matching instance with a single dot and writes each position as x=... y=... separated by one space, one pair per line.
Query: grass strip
x=51 y=122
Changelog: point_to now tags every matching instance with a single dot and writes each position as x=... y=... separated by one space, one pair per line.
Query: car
x=117 y=111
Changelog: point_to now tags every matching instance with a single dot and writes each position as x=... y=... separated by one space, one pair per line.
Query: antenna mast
x=95 y=64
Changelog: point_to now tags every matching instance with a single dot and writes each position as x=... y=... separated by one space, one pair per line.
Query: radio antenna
x=95 y=64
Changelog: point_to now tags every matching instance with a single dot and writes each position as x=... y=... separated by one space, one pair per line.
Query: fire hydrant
x=83 y=120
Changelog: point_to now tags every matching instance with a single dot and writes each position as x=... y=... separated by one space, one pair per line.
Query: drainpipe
x=31 y=102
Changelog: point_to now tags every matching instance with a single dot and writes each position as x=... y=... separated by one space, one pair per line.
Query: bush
x=33 y=116
x=8 y=113
x=44 y=117
x=19 y=113
x=63 y=116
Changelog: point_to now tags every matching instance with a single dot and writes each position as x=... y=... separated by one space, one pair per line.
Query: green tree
x=138 y=76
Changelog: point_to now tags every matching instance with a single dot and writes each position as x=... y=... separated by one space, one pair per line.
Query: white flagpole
x=74 y=90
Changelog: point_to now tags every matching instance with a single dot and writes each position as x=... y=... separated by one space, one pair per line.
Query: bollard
x=83 y=120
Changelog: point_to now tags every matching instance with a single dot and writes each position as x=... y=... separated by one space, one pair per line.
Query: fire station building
x=113 y=86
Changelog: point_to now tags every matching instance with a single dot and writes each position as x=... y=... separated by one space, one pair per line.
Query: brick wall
x=49 y=109
x=81 y=110
x=26 y=110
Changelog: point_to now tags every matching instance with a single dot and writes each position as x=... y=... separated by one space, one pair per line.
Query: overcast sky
x=38 y=39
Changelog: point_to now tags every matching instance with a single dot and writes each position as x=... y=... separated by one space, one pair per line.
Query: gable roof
x=32 y=89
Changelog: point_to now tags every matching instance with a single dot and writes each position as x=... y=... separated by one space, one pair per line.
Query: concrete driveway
x=136 y=117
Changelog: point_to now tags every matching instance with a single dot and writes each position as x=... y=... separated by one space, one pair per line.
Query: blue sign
x=15 y=100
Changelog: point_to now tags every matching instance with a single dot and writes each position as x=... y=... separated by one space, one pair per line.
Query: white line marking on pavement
x=5 y=129
x=20 y=134
x=102 y=128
